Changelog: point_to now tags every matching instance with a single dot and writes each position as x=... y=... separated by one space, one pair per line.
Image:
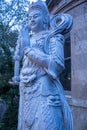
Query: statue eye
x=36 y=15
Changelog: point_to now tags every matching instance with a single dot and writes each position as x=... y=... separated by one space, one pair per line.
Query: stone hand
x=25 y=38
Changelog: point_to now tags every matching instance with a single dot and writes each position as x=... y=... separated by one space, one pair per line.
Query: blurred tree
x=11 y=17
x=7 y=43
x=13 y=13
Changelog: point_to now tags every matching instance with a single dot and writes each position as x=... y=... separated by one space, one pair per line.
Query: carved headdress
x=40 y=5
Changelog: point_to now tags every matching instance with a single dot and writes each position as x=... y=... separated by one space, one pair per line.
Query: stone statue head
x=38 y=11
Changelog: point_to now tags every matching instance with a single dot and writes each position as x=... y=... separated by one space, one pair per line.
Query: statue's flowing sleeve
x=56 y=53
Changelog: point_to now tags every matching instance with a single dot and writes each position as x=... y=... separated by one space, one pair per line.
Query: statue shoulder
x=54 y=42
x=60 y=24
x=59 y=38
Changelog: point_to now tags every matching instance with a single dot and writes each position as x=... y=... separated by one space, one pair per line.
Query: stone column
x=79 y=66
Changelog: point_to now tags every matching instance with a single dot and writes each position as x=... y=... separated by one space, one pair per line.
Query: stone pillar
x=78 y=100
x=79 y=66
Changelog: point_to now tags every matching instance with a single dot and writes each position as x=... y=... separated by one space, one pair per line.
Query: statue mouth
x=33 y=24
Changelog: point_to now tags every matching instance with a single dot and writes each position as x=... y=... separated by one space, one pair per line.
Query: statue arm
x=52 y=63
x=37 y=56
x=25 y=37
x=56 y=51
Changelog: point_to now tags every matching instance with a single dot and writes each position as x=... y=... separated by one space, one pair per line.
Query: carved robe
x=42 y=102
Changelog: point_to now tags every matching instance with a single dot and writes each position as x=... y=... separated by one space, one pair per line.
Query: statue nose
x=32 y=19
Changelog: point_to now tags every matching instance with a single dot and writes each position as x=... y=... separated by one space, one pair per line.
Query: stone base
x=79 y=110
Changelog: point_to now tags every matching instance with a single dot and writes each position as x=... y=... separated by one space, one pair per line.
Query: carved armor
x=40 y=98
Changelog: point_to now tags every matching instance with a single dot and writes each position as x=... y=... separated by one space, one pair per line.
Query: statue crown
x=39 y=5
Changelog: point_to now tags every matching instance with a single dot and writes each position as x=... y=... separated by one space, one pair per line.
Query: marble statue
x=42 y=105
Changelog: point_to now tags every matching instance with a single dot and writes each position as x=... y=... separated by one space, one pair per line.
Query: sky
x=29 y=0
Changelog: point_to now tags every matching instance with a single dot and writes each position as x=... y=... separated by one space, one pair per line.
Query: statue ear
x=46 y=21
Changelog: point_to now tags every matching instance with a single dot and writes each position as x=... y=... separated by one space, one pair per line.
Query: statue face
x=36 y=21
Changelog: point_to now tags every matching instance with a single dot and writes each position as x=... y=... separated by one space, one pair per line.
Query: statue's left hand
x=25 y=38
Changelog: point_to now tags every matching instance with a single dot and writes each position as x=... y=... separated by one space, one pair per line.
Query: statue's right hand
x=24 y=36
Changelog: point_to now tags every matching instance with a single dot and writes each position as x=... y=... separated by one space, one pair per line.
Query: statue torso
x=38 y=41
x=29 y=68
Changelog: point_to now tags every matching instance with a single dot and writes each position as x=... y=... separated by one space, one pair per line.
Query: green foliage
x=9 y=121
x=7 y=43
x=11 y=16
x=14 y=13
x=8 y=93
